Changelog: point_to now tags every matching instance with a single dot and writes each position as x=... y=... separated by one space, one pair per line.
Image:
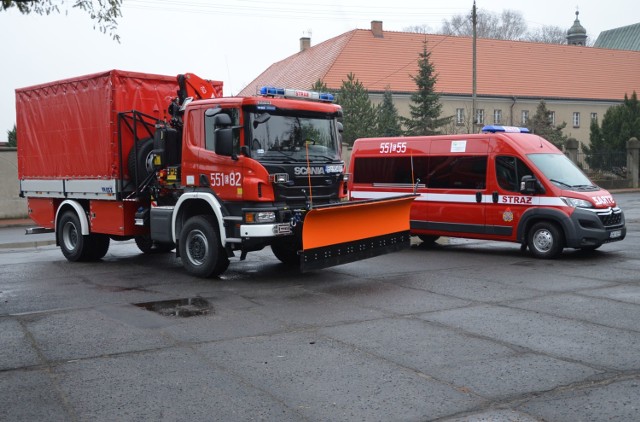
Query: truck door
x=457 y=187
x=507 y=204
x=223 y=172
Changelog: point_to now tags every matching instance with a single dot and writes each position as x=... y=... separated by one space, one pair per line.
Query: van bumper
x=592 y=228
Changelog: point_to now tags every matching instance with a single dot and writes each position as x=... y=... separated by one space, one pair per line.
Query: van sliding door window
x=456 y=172
x=398 y=171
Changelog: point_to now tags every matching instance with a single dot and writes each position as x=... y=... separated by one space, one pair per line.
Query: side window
x=509 y=172
x=390 y=170
x=456 y=172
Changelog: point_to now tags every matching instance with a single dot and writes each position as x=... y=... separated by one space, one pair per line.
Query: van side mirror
x=529 y=185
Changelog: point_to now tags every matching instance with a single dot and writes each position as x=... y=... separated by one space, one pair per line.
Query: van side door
x=507 y=202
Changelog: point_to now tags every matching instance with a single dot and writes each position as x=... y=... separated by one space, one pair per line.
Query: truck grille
x=612 y=218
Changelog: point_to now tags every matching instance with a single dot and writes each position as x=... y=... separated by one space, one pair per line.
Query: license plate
x=614 y=234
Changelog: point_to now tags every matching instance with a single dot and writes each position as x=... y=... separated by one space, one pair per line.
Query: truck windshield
x=276 y=136
x=561 y=171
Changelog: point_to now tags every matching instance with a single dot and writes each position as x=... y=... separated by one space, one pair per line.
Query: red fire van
x=502 y=184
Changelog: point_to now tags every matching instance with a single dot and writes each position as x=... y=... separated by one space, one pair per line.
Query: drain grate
x=184 y=308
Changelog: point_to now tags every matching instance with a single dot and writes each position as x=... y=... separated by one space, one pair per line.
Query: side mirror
x=224 y=142
x=529 y=185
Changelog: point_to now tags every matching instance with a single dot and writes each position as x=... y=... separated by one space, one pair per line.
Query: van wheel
x=200 y=247
x=545 y=240
x=286 y=251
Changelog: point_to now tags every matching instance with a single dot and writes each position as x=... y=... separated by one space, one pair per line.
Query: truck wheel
x=149 y=246
x=287 y=251
x=74 y=246
x=99 y=246
x=144 y=162
x=200 y=247
x=545 y=240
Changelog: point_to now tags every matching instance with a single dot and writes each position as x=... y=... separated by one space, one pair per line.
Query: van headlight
x=576 y=203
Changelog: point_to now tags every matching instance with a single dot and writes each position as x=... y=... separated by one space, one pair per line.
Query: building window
x=594 y=117
x=525 y=117
x=576 y=119
x=552 y=118
x=459 y=116
x=480 y=116
x=497 y=117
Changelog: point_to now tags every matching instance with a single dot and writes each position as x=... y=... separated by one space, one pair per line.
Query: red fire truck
x=503 y=184
x=171 y=163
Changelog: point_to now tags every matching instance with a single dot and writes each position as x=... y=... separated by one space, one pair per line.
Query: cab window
x=509 y=172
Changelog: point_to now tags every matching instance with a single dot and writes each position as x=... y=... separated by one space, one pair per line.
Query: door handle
x=478 y=197
x=494 y=197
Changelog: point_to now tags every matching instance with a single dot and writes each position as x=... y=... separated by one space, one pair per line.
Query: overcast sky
x=235 y=40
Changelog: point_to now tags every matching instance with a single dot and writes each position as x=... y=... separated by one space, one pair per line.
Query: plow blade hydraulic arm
x=350 y=231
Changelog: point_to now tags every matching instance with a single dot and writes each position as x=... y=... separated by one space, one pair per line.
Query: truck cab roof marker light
x=508 y=129
x=297 y=94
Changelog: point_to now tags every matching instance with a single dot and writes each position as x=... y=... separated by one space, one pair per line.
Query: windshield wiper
x=325 y=157
x=560 y=183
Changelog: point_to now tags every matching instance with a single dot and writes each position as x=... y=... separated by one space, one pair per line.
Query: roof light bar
x=296 y=93
x=510 y=129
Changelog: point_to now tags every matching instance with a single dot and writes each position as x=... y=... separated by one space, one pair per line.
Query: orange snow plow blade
x=350 y=231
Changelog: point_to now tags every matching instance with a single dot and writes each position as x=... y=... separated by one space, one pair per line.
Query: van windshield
x=561 y=171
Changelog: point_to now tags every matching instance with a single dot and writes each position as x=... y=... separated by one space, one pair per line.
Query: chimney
x=376 y=29
x=305 y=43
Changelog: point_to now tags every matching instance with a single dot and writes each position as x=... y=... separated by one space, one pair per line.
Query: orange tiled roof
x=504 y=68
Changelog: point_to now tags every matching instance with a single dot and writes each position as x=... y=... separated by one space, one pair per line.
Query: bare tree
x=509 y=25
x=419 y=29
x=548 y=34
x=104 y=13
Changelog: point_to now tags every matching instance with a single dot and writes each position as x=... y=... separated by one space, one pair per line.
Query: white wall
x=11 y=205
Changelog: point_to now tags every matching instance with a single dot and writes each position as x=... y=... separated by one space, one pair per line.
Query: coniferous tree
x=388 y=119
x=425 y=107
x=608 y=143
x=12 y=138
x=541 y=125
x=359 y=114
x=320 y=86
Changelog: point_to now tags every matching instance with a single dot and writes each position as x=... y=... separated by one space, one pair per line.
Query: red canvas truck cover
x=68 y=128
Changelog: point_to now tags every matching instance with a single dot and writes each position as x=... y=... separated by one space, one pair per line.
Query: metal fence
x=611 y=164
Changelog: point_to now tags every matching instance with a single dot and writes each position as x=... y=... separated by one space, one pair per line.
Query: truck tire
x=200 y=247
x=149 y=246
x=75 y=246
x=99 y=246
x=144 y=159
x=545 y=240
x=287 y=251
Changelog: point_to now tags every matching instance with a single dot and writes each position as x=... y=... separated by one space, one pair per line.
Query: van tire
x=201 y=250
x=545 y=240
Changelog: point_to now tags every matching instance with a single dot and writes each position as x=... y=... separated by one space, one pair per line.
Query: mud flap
x=350 y=231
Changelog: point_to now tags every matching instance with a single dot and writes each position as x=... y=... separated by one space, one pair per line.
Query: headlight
x=260 y=217
x=576 y=203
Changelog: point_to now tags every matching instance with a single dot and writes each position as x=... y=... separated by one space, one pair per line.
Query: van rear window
x=438 y=172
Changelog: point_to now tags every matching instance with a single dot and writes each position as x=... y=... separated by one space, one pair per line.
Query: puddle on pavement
x=184 y=308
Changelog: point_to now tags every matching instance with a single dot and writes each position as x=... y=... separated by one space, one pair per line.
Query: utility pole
x=474 y=21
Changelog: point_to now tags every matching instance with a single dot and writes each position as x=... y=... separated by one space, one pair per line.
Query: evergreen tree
x=388 y=119
x=541 y=125
x=12 y=139
x=425 y=108
x=320 y=86
x=609 y=142
x=359 y=114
